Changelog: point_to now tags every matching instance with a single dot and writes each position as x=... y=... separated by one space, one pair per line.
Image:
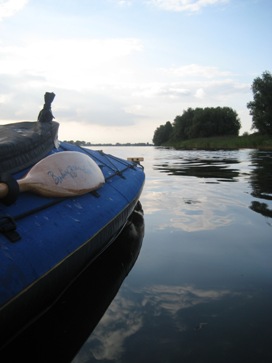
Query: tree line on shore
x=87 y=143
x=220 y=121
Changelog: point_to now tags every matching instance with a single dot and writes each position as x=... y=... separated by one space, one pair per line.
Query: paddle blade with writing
x=64 y=174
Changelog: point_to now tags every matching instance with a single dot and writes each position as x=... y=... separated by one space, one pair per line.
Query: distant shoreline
x=254 y=141
x=86 y=143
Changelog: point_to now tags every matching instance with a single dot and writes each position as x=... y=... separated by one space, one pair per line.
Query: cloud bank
x=135 y=77
x=10 y=7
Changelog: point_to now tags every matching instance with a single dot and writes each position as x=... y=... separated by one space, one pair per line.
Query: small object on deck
x=45 y=114
x=136 y=160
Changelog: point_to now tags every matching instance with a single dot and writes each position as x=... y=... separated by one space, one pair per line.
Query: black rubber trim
x=13 y=189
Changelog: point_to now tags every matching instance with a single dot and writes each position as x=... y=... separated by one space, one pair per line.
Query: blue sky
x=121 y=68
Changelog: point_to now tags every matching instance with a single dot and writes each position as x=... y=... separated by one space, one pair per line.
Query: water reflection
x=163 y=323
x=261 y=182
x=130 y=315
x=194 y=194
x=190 y=209
x=261 y=208
x=218 y=167
x=197 y=207
x=201 y=290
x=122 y=320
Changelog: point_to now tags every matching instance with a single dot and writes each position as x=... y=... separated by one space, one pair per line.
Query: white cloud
x=124 y=2
x=10 y=7
x=196 y=70
x=81 y=62
x=103 y=94
x=134 y=109
x=200 y=93
x=185 y=5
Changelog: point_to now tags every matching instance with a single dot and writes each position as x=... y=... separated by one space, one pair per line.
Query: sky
x=122 y=68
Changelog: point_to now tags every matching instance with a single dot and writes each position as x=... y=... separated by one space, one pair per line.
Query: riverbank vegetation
x=253 y=141
x=218 y=127
x=87 y=143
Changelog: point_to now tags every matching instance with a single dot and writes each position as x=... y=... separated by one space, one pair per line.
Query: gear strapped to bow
x=45 y=114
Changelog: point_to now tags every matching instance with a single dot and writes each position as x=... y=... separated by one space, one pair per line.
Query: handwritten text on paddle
x=71 y=171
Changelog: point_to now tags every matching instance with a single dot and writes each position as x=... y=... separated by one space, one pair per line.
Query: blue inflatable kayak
x=47 y=240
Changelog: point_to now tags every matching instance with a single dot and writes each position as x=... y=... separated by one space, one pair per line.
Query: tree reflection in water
x=261 y=182
x=201 y=167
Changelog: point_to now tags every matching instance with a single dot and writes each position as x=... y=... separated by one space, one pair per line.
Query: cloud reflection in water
x=191 y=191
x=190 y=208
x=201 y=290
x=129 y=315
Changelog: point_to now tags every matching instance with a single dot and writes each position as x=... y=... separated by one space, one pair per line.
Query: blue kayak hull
x=59 y=237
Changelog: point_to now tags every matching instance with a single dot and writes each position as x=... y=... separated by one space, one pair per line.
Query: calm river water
x=201 y=289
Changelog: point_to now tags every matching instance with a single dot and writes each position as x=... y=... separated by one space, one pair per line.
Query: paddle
x=64 y=174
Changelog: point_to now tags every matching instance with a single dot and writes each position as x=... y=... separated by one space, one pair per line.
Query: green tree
x=261 y=107
x=162 y=134
x=182 y=125
x=206 y=122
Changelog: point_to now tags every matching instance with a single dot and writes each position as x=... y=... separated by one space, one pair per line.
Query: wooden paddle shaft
x=3 y=190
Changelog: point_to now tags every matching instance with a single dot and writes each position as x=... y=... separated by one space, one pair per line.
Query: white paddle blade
x=67 y=173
